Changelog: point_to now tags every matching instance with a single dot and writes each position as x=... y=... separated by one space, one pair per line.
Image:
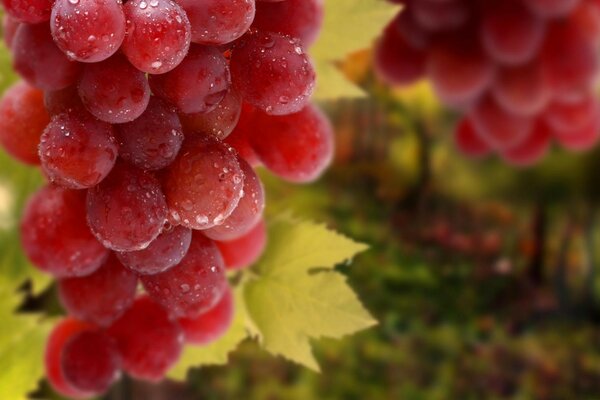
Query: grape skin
x=211 y=325
x=219 y=122
x=30 y=11
x=246 y=250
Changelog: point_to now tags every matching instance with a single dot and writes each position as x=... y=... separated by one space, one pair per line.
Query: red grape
x=127 y=210
x=204 y=184
x=101 y=297
x=22 y=121
x=300 y=19
x=9 y=29
x=63 y=101
x=239 y=137
x=218 y=21
x=468 y=141
x=272 y=72
x=158 y=35
x=522 y=90
x=440 y=15
x=211 y=325
x=114 y=91
x=55 y=236
x=531 y=150
x=90 y=362
x=193 y=286
x=580 y=139
x=149 y=341
x=78 y=151
x=551 y=8
x=198 y=84
x=573 y=115
x=152 y=141
x=88 y=30
x=297 y=147
x=219 y=122
x=166 y=251
x=246 y=250
x=248 y=211
x=29 y=11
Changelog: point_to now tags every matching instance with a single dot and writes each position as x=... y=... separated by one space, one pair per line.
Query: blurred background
x=484 y=277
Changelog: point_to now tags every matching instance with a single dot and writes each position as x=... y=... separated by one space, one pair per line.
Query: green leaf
x=291 y=302
x=216 y=353
x=349 y=25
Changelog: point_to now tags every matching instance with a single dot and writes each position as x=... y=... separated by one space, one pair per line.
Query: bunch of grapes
x=147 y=118
x=521 y=71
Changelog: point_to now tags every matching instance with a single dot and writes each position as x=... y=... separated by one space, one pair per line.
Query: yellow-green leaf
x=290 y=301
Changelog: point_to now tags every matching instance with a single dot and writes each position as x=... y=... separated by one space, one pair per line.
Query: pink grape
x=101 y=297
x=468 y=141
x=531 y=150
x=158 y=35
x=193 y=286
x=272 y=72
x=219 y=122
x=522 y=90
x=29 y=11
x=211 y=325
x=55 y=236
x=573 y=115
x=152 y=141
x=246 y=250
x=114 y=91
x=198 y=84
x=580 y=139
x=165 y=252
x=204 y=184
x=88 y=30
x=77 y=151
x=127 y=210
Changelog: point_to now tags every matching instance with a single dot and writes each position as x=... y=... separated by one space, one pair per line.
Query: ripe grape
x=152 y=141
x=551 y=8
x=522 y=90
x=166 y=251
x=30 y=11
x=217 y=22
x=440 y=15
x=297 y=147
x=204 y=184
x=246 y=250
x=193 y=286
x=101 y=297
x=88 y=30
x=219 y=122
x=148 y=340
x=127 y=210
x=580 y=139
x=248 y=211
x=77 y=151
x=114 y=91
x=531 y=150
x=272 y=72
x=300 y=19
x=158 y=35
x=39 y=61
x=55 y=236
x=62 y=333
x=198 y=84
x=63 y=101
x=212 y=324
x=564 y=116
x=9 y=29
x=239 y=137
x=468 y=141
x=22 y=121
x=90 y=362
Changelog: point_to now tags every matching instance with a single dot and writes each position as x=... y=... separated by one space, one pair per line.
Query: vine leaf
x=349 y=25
x=297 y=296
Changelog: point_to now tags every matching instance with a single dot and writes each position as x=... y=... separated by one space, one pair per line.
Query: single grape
x=500 y=129
x=580 y=139
x=211 y=325
x=296 y=147
x=37 y=59
x=468 y=141
x=219 y=122
x=272 y=72
x=152 y=141
x=149 y=341
x=239 y=137
x=217 y=22
x=300 y=19
x=246 y=250
x=78 y=151
x=127 y=210
x=55 y=236
x=63 y=101
x=90 y=362
x=248 y=212
x=397 y=62
x=198 y=84
x=88 y=30
x=573 y=115
x=410 y=30
x=204 y=184
x=22 y=121
x=166 y=251
x=101 y=297
x=9 y=29
x=114 y=91
x=62 y=333
x=193 y=286
x=158 y=35
x=29 y=11
x=531 y=150
x=551 y=8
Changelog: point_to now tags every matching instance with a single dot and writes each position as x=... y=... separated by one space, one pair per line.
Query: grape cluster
x=521 y=71
x=148 y=118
